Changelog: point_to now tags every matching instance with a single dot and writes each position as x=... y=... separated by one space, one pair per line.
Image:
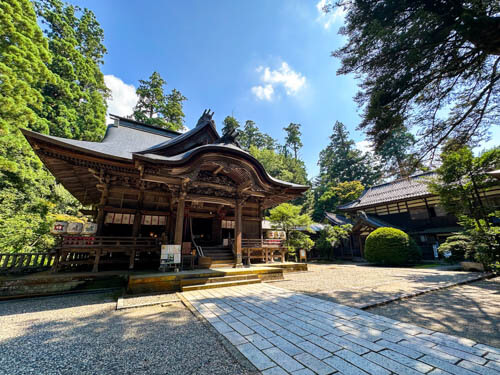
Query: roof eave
x=30 y=135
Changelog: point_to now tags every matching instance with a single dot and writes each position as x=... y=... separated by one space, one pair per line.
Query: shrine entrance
x=206 y=231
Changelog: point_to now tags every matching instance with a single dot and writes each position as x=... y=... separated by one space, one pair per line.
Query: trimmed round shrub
x=390 y=246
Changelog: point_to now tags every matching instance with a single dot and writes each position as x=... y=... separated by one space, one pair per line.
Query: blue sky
x=266 y=61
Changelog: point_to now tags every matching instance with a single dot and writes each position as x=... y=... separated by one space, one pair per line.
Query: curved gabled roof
x=202 y=134
x=222 y=148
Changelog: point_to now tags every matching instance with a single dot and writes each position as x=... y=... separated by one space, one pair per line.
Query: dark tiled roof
x=336 y=219
x=119 y=141
x=398 y=190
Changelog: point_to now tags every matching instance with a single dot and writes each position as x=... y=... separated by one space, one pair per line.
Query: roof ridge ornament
x=206 y=117
x=230 y=138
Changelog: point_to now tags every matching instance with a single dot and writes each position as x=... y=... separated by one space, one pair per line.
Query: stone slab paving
x=341 y=283
x=286 y=332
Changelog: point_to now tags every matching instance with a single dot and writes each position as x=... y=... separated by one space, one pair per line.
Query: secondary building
x=406 y=204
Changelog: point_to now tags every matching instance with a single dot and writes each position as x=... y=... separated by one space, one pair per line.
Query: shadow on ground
x=79 y=335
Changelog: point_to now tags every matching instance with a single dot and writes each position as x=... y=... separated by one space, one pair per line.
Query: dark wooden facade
x=405 y=204
x=144 y=181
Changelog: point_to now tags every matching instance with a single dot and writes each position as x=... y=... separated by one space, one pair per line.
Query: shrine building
x=144 y=182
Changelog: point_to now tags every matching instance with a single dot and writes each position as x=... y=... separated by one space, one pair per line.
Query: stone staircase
x=218 y=282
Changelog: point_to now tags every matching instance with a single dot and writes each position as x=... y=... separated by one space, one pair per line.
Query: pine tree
x=75 y=102
x=293 y=138
x=155 y=107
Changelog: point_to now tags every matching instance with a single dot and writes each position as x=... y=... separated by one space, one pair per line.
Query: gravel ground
x=471 y=311
x=359 y=285
x=84 y=335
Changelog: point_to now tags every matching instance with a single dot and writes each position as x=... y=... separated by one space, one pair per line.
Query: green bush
x=391 y=246
x=458 y=246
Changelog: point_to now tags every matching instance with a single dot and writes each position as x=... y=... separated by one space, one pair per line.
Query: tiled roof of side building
x=337 y=219
x=399 y=190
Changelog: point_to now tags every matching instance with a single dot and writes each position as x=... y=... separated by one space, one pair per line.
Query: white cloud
x=364 y=146
x=328 y=19
x=123 y=97
x=263 y=92
x=284 y=76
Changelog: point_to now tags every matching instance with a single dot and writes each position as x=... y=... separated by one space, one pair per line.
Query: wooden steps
x=175 y=281
x=220 y=282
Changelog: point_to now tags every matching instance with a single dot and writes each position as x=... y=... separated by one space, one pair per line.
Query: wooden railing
x=112 y=243
x=76 y=250
x=22 y=262
x=266 y=250
x=262 y=243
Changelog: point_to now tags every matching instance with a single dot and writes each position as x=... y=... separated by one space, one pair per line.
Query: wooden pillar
x=238 y=226
x=179 y=222
x=136 y=229
x=100 y=209
x=260 y=222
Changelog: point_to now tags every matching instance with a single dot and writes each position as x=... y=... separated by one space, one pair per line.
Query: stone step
x=209 y=280
x=223 y=284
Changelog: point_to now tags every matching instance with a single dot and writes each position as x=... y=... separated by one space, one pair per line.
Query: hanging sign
x=59 y=227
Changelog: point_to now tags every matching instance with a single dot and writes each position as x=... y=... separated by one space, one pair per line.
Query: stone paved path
x=286 y=332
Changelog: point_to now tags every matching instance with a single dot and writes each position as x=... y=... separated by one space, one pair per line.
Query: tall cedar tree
x=252 y=136
x=398 y=156
x=27 y=191
x=230 y=124
x=432 y=65
x=341 y=161
x=74 y=103
x=293 y=138
x=154 y=107
x=265 y=149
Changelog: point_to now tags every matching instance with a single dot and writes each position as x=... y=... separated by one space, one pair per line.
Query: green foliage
x=431 y=65
x=154 y=107
x=280 y=166
x=458 y=245
x=30 y=66
x=252 y=136
x=390 y=246
x=461 y=177
x=341 y=161
x=293 y=140
x=330 y=237
x=287 y=217
x=230 y=124
x=74 y=102
x=397 y=155
x=336 y=195
x=299 y=241
x=485 y=240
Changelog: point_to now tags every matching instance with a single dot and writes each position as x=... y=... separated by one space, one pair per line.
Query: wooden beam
x=218 y=170
x=162 y=179
x=210 y=199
